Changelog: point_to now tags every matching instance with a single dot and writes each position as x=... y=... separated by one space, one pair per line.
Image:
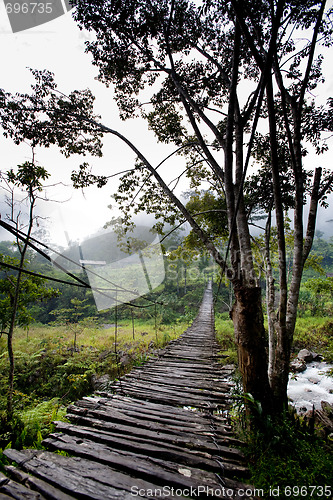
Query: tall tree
x=199 y=58
x=40 y=119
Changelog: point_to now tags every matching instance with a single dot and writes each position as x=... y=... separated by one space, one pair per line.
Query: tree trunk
x=15 y=305
x=270 y=298
x=250 y=337
x=280 y=375
x=10 y=375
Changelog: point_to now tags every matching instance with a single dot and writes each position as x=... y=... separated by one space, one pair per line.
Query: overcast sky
x=59 y=47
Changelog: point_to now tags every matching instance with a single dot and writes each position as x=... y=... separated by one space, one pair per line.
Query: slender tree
x=27 y=178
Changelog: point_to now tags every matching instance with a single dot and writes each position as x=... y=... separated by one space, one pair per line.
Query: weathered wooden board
x=36 y=484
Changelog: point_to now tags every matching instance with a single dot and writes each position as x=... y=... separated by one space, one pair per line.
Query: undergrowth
x=225 y=337
x=283 y=453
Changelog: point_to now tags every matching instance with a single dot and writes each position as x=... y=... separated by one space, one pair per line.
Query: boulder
x=305 y=355
x=314 y=380
x=298 y=365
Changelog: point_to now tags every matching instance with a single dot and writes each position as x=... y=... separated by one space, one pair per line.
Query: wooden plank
x=219 y=381
x=181 y=382
x=197 y=458
x=149 y=468
x=20 y=492
x=71 y=481
x=161 y=424
x=176 y=437
x=187 y=455
x=168 y=410
x=3 y=479
x=166 y=388
x=80 y=469
x=36 y=484
x=142 y=445
x=154 y=413
x=161 y=397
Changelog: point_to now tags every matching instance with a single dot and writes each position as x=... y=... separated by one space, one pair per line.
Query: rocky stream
x=310 y=389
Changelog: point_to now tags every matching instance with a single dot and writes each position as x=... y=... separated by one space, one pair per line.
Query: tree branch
x=196 y=228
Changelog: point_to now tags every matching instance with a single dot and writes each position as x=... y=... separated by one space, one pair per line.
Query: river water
x=311 y=386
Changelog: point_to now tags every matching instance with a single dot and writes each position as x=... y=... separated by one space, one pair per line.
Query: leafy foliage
x=47 y=117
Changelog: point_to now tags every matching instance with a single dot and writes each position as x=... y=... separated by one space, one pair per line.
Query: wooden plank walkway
x=158 y=432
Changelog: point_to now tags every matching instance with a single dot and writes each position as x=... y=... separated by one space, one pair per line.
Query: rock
x=297 y=366
x=108 y=325
x=305 y=355
x=314 y=380
x=327 y=408
x=100 y=383
x=316 y=356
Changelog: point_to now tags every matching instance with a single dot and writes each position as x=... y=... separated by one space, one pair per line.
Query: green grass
x=225 y=337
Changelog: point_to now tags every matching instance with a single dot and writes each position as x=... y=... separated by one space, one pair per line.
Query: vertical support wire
x=156 y=325
x=133 y=329
x=116 y=340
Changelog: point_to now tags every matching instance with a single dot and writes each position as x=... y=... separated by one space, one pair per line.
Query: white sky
x=59 y=47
